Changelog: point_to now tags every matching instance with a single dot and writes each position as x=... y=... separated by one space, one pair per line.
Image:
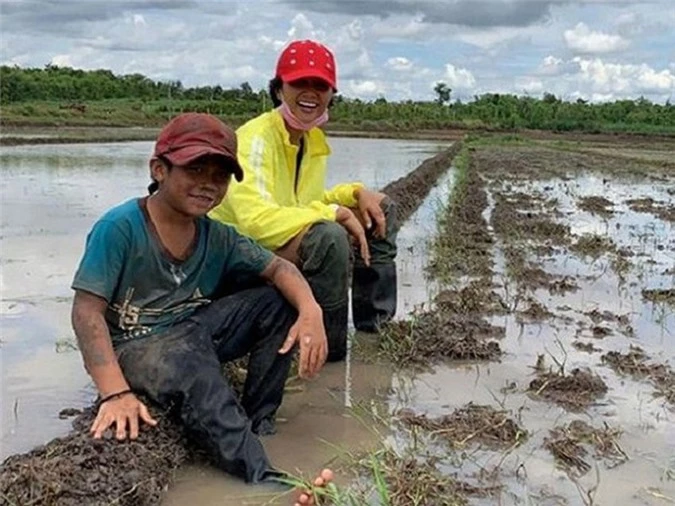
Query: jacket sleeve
x=342 y=194
x=257 y=214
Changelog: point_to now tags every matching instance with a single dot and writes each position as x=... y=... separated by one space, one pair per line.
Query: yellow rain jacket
x=269 y=205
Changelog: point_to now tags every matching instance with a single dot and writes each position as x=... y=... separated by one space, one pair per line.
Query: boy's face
x=196 y=188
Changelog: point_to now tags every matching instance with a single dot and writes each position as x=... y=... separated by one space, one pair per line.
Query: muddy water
x=51 y=195
x=648 y=424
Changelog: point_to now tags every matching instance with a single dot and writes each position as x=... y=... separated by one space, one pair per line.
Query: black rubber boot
x=374 y=295
x=335 y=321
x=374 y=287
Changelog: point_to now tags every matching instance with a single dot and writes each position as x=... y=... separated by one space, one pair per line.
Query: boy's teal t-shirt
x=146 y=289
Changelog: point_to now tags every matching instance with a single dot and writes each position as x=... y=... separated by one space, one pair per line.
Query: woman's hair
x=154 y=185
x=274 y=88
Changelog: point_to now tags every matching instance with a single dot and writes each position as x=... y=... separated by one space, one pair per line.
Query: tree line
x=53 y=83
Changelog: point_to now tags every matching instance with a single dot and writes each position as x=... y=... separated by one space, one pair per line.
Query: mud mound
x=597 y=205
x=475 y=297
x=658 y=208
x=470 y=424
x=666 y=296
x=637 y=365
x=593 y=245
x=410 y=190
x=574 y=391
x=569 y=445
x=433 y=336
x=535 y=312
x=76 y=469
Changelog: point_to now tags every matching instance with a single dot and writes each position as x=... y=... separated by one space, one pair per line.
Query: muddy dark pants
x=181 y=367
x=325 y=255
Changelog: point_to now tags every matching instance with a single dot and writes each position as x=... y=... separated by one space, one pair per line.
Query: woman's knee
x=325 y=243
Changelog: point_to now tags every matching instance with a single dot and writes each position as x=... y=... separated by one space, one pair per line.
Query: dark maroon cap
x=192 y=135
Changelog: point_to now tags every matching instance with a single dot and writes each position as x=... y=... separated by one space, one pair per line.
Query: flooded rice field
x=533 y=361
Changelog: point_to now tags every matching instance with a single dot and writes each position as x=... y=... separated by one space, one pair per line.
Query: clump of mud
x=534 y=312
x=597 y=205
x=664 y=296
x=78 y=469
x=569 y=445
x=471 y=424
x=593 y=245
x=586 y=347
x=414 y=482
x=410 y=190
x=432 y=336
x=637 y=364
x=476 y=297
x=660 y=209
x=573 y=391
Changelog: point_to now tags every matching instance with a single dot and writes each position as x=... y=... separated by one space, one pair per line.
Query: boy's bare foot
x=306 y=497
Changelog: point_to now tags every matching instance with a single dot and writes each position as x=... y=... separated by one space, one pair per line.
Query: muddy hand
x=350 y=222
x=123 y=411
x=308 y=497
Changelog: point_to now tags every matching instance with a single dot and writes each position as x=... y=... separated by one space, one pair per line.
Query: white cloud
x=624 y=79
x=139 y=20
x=400 y=64
x=582 y=39
x=365 y=88
x=399 y=27
x=301 y=28
x=459 y=78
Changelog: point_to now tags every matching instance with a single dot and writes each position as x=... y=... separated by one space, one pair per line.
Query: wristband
x=114 y=396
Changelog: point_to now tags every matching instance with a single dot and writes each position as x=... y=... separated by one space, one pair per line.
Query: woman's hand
x=345 y=217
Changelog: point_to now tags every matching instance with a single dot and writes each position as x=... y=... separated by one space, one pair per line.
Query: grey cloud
x=71 y=16
x=470 y=13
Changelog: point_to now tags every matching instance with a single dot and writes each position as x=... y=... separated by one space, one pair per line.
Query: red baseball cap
x=192 y=135
x=307 y=58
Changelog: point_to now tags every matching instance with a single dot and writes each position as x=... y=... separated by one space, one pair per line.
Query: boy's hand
x=123 y=410
x=345 y=217
x=370 y=207
x=309 y=332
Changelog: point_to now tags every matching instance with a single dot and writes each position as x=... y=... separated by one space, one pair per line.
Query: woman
x=283 y=202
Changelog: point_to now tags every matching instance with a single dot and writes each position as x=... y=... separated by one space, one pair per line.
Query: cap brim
x=189 y=154
x=304 y=73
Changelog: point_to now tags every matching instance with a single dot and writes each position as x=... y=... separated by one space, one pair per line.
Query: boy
x=147 y=315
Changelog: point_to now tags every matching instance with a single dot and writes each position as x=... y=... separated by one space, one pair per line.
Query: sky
x=598 y=50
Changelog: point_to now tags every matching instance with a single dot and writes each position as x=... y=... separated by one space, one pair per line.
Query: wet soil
x=597 y=205
x=78 y=469
x=658 y=296
x=570 y=445
x=660 y=209
x=636 y=364
x=469 y=425
x=410 y=190
x=574 y=391
x=593 y=245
